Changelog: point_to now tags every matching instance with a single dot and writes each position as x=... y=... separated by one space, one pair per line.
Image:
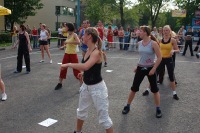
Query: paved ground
x=32 y=98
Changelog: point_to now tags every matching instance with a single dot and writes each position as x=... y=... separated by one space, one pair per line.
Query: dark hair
x=70 y=27
x=22 y=27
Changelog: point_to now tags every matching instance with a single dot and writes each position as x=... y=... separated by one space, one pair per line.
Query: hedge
x=5 y=38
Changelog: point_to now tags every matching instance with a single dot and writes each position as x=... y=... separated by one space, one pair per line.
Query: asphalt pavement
x=32 y=98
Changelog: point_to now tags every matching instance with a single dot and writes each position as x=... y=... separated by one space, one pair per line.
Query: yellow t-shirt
x=166 y=49
x=70 y=48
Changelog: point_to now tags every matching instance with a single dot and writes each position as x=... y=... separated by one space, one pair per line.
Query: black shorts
x=43 y=42
x=141 y=72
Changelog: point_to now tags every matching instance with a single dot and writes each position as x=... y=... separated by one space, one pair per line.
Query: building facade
x=54 y=13
x=2 y=17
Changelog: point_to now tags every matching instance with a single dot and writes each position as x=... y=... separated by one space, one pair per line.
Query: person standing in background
x=35 y=37
x=188 y=41
x=23 y=50
x=121 y=37
x=14 y=35
x=109 y=37
x=115 y=36
x=49 y=38
x=44 y=35
x=59 y=36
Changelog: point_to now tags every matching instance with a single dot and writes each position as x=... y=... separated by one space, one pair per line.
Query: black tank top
x=23 y=41
x=93 y=75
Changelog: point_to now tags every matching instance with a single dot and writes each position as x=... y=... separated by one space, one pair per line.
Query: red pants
x=69 y=58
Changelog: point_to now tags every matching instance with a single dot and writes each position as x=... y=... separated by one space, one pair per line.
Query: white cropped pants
x=98 y=95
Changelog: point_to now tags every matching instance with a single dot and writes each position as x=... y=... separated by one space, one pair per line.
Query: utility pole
x=78 y=13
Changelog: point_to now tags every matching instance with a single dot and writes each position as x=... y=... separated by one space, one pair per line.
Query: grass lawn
x=5 y=45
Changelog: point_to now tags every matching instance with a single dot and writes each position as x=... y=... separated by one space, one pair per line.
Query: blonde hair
x=168 y=27
x=95 y=36
x=14 y=27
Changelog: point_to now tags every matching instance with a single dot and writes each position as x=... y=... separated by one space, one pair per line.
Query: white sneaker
x=51 y=61
x=3 y=97
x=41 y=61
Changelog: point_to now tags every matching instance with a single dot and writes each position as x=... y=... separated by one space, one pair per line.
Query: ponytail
x=154 y=39
x=99 y=43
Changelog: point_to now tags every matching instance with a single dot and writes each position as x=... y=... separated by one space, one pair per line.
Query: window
x=63 y=10
x=71 y=11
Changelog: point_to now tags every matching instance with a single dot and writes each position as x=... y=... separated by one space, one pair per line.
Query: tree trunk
x=12 y=24
x=121 y=7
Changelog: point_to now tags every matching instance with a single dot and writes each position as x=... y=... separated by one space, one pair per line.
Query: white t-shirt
x=60 y=31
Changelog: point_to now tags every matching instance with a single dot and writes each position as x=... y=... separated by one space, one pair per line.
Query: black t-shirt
x=189 y=34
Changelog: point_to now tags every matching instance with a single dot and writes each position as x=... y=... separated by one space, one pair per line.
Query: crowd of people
x=157 y=49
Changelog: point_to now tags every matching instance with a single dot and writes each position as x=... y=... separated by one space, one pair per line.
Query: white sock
x=148 y=89
x=174 y=92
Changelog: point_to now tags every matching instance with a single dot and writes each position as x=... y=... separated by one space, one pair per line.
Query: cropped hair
x=70 y=27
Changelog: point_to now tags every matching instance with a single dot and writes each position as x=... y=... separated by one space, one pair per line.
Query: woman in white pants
x=93 y=89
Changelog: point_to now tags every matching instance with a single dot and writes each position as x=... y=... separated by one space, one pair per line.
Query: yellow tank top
x=70 y=48
x=64 y=31
x=166 y=49
x=14 y=33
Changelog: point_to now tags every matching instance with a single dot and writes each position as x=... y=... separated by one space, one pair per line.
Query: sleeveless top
x=100 y=33
x=43 y=35
x=83 y=45
x=93 y=75
x=147 y=54
x=23 y=44
x=165 y=48
x=70 y=48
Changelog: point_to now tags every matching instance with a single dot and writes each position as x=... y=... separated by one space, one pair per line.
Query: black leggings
x=170 y=67
x=141 y=72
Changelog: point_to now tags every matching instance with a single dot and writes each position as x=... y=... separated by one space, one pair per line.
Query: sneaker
x=126 y=110
x=51 y=61
x=27 y=72
x=41 y=61
x=16 y=71
x=3 y=97
x=158 y=82
x=145 y=93
x=197 y=55
x=158 y=114
x=58 y=86
x=75 y=132
x=175 y=97
x=105 y=64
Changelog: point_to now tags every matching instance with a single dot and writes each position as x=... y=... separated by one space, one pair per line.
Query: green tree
x=21 y=9
x=191 y=6
x=153 y=7
x=99 y=10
